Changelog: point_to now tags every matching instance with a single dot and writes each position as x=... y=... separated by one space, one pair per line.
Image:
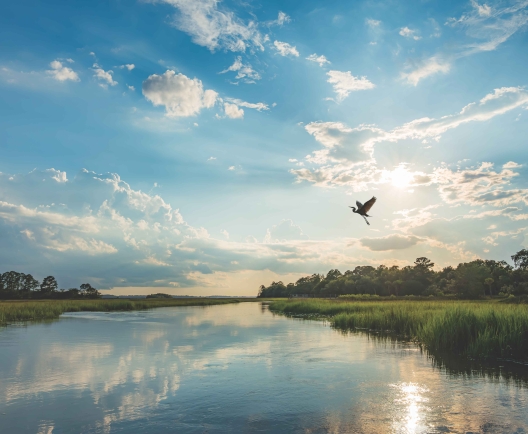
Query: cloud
x=232 y=111
x=62 y=73
x=285 y=49
x=344 y=148
x=129 y=66
x=486 y=28
x=257 y=106
x=105 y=76
x=389 y=242
x=179 y=94
x=215 y=28
x=479 y=186
x=280 y=21
x=408 y=33
x=244 y=72
x=372 y=23
x=430 y=67
x=321 y=60
x=345 y=82
x=285 y=230
x=492 y=26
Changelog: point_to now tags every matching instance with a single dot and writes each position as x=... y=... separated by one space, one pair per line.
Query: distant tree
x=29 y=284
x=520 y=259
x=48 y=285
x=424 y=263
x=89 y=291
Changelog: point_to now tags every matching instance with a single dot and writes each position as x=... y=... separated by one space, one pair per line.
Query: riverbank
x=480 y=330
x=20 y=310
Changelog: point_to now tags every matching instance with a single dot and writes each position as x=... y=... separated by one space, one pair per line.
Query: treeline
x=14 y=285
x=468 y=280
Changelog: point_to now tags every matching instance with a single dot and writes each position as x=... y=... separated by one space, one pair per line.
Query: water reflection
x=236 y=368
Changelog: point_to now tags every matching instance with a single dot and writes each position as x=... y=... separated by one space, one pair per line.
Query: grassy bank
x=473 y=329
x=15 y=311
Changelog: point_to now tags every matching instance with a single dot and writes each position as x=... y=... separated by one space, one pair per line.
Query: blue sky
x=202 y=147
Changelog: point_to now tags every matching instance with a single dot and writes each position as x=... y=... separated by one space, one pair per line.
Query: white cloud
x=345 y=82
x=225 y=234
x=132 y=88
x=490 y=27
x=389 y=242
x=285 y=49
x=257 y=106
x=211 y=158
x=344 y=148
x=231 y=168
x=105 y=76
x=479 y=186
x=372 y=23
x=282 y=18
x=232 y=111
x=321 y=60
x=179 y=94
x=244 y=72
x=408 y=33
x=483 y=10
x=62 y=73
x=430 y=67
x=215 y=28
x=129 y=66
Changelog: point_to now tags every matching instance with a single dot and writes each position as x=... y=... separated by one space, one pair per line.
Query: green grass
x=16 y=311
x=473 y=329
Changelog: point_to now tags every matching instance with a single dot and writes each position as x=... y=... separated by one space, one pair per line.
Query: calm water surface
x=235 y=368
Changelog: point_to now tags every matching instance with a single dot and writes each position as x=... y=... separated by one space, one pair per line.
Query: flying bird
x=363 y=209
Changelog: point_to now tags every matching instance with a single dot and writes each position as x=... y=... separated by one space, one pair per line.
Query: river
x=238 y=369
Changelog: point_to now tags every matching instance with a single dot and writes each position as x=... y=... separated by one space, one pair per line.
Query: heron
x=363 y=209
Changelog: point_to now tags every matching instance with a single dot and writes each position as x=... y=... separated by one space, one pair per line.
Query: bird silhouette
x=363 y=209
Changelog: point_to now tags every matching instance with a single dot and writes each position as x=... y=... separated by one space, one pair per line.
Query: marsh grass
x=473 y=329
x=18 y=311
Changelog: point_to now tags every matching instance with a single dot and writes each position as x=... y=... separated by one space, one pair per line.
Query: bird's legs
x=366 y=219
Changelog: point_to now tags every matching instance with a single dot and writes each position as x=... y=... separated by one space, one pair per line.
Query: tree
x=423 y=263
x=489 y=281
x=89 y=290
x=48 y=285
x=520 y=259
x=29 y=284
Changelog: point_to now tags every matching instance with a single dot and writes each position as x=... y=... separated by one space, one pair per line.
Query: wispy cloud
x=245 y=72
x=408 y=33
x=430 y=67
x=214 y=27
x=321 y=60
x=285 y=49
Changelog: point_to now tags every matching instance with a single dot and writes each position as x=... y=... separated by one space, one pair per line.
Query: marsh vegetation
x=21 y=310
x=476 y=329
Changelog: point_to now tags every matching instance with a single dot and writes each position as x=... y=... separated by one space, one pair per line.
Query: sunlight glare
x=401 y=177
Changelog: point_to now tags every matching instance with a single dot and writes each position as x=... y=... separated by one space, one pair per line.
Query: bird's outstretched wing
x=368 y=205
x=359 y=204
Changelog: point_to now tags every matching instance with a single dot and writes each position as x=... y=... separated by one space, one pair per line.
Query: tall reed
x=473 y=329
x=15 y=311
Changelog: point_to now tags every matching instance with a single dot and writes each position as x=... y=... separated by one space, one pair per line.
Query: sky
x=207 y=147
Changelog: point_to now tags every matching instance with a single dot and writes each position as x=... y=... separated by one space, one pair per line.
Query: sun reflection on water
x=411 y=397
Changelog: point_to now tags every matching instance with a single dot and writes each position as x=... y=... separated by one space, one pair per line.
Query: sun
x=401 y=177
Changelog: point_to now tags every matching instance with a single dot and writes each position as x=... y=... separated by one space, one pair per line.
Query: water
x=236 y=369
